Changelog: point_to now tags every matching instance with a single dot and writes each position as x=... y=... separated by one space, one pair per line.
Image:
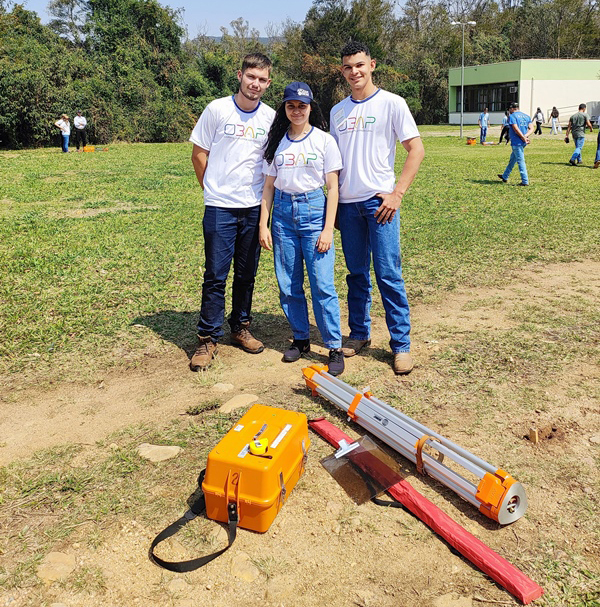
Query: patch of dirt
x=323 y=549
x=81 y=213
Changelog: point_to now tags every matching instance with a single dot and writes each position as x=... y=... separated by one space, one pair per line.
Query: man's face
x=254 y=82
x=358 y=70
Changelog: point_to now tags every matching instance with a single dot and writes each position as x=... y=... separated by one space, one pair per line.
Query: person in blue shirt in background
x=504 y=132
x=520 y=127
x=484 y=120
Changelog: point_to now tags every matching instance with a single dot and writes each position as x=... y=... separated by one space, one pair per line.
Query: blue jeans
x=65 y=143
x=598 y=149
x=579 y=141
x=361 y=237
x=483 y=134
x=298 y=221
x=229 y=234
x=517 y=156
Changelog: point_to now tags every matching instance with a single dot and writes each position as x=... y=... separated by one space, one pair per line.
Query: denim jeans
x=65 y=143
x=483 y=134
x=579 y=141
x=229 y=234
x=598 y=149
x=362 y=237
x=298 y=221
x=517 y=156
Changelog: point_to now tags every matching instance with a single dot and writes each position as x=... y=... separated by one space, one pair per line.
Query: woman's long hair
x=281 y=124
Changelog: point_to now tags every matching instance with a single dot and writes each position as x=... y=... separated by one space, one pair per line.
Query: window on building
x=495 y=97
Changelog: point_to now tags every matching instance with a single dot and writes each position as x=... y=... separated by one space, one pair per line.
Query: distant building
x=533 y=83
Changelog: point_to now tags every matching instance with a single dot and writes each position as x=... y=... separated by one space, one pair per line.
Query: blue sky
x=199 y=19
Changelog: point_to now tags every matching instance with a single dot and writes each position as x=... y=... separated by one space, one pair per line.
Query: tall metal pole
x=462 y=24
x=462 y=81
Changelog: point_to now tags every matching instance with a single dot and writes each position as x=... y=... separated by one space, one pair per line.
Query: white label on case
x=281 y=436
x=238 y=428
x=244 y=451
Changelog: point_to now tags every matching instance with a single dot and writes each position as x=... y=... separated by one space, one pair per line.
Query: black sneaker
x=572 y=162
x=296 y=350
x=522 y=183
x=335 y=366
x=500 y=177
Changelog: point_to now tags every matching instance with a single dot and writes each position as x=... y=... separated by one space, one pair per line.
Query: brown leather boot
x=403 y=363
x=246 y=341
x=204 y=354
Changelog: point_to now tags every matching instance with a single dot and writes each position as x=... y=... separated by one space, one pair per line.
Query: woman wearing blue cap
x=300 y=158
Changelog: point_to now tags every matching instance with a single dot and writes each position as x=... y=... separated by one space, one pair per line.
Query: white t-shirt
x=300 y=166
x=80 y=122
x=366 y=133
x=235 y=139
x=64 y=126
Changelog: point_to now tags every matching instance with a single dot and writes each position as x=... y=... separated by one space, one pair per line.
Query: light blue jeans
x=579 y=141
x=298 y=221
x=361 y=237
x=517 y=156
x=483 y=134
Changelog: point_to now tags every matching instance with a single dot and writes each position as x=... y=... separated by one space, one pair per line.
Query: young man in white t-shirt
x=367 y=126
x=227 y=157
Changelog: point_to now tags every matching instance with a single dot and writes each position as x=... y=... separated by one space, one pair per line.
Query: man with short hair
x=80 y=124
x=366 y=126
x=520 y=127
x=227 y=157
x=577 y=124
x=483 y=122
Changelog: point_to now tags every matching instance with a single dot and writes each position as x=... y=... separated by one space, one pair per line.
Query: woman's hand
x=325 y=240
x=264 y=238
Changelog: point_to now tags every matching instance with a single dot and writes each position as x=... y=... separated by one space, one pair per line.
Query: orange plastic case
x=260 y=484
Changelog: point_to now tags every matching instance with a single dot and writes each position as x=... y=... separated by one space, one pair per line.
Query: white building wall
x=565 y=95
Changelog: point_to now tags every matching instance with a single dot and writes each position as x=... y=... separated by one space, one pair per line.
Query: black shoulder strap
x=198 y=507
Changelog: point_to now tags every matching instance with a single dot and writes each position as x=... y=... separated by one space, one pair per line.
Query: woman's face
x=297 y=112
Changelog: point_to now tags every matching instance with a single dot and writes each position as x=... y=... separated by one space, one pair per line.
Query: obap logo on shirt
x=357 y=123
x=293 y=160
x=245 y=132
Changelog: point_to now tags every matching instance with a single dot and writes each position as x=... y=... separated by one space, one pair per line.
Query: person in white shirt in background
x=228 y=157
x=300 y=158
x=80 y=124
x=367 y=126
x=65 y=130
x=539 y=120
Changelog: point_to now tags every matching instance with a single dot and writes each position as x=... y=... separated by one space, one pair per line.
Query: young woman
x=556 y=128
x=300 y=158
x=65 y=130
x=539 y=119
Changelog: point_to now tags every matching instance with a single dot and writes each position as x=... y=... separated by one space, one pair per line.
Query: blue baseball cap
x=298 y=91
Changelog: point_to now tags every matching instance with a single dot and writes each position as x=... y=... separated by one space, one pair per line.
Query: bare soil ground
x=323 y=549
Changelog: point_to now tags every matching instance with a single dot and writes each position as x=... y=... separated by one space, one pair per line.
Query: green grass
x=97 y=248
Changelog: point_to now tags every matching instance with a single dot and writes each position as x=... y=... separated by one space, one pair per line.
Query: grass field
x=101 y=263
x=93 y=245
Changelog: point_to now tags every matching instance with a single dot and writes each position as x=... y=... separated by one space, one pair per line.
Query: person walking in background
x=597 y=160
x=539 y=120
x=483 y=122
x=366 y=126
x=520 y=128
x=504 y=131
x=80 y=124
x=577 y=124
x=65 y=130
x=300 y=158
x=227 y=157
x=554 y=121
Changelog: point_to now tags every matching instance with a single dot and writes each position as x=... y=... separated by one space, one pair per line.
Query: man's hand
x=390 y=203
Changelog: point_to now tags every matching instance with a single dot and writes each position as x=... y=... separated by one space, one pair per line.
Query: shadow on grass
x=179 y=328
x=487 y=181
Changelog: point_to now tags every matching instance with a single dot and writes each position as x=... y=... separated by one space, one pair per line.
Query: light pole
x=462 y=70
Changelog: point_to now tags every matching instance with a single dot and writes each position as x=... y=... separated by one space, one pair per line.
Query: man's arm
x=589 y=124
x=569 y=128
x=391 y=202
x=199 y=160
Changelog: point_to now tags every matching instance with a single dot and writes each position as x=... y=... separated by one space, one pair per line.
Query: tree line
x=130 y=67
